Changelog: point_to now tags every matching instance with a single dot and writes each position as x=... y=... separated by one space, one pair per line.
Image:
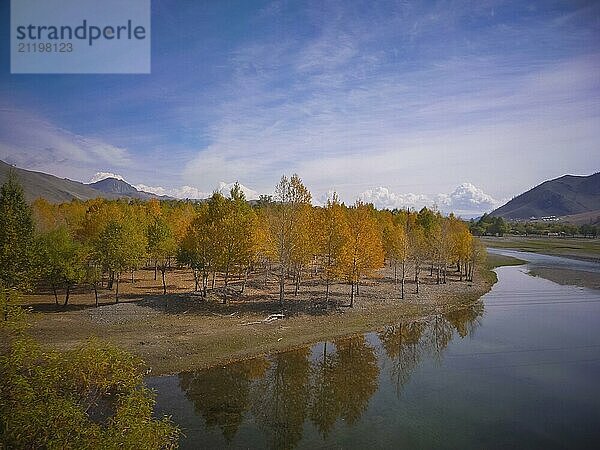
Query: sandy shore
x=181 y=331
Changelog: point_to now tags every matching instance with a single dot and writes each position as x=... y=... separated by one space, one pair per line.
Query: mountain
x=120 y=188
x=58 y=190
x=53 y=189
x=562 y=196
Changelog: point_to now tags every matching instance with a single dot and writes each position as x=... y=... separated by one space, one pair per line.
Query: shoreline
x=178 y=333
x=581 y=249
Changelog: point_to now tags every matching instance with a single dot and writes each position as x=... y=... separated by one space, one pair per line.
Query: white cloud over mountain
x=465 y=200
x=99 y=176
x=182 y=192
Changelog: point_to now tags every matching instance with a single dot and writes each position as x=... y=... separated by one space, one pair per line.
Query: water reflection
x=221 y=395
x=328 y=384
x=406 y=344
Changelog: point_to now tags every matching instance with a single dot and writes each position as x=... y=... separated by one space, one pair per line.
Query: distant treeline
x=488 y=225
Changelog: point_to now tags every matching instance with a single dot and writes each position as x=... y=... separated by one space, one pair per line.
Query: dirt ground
x=182 y=331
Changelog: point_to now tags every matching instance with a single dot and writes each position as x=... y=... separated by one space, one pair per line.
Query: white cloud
x=191 y=192
x=34 y=143
x=182 y=192
x=225 y=188
x=466 y=200
x=382 y=197
x=98 y=176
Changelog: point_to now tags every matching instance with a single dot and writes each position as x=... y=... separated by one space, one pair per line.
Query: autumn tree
x=195 y=249
x=418 y=247
x=334 y=236
x=291 y=199
x=396 y=244
x=237 y=226
x=119 y=246
x=363 y=253
x=161 y=246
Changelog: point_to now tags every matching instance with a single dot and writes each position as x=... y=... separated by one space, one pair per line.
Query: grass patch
x=494 y=261
x=578 y=248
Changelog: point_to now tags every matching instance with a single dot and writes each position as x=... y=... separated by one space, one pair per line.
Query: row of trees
x=282 y=236
x=488 y=225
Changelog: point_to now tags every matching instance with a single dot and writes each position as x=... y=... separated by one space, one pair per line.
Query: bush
x=89 y=397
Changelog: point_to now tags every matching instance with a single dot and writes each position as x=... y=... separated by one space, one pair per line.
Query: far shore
x=180 y=331
x=574 y=248
x=568 y=277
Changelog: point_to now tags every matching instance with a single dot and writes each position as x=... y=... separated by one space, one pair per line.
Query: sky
x=456 y=104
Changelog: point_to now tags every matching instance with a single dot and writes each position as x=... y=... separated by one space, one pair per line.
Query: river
x=518 y=369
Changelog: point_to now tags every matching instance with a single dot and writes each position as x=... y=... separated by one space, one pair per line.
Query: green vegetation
x=496 y=226
x=16 y=236
x=90 y=397
x=570 y=247
x=494 y=261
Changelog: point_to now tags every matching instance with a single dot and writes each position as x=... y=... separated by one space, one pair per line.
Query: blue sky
x=462 y=104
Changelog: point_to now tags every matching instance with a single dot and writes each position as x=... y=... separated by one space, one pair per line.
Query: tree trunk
x=395 y=273
x=195 y=280
x=164 y=283
x=403 y=277
x=417 y=277
x=297 y=287
x=281 y=285
x=245 y=280
x=117 y=290
x=213 y=280
x=67 y=295
x=351 y=294
x=55 y=295
x=155 y=269
x=111 y=279
x=96 y=293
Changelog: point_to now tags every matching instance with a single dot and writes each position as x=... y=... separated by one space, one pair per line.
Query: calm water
x=519 y=369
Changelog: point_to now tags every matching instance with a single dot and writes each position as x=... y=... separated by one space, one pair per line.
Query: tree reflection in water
x=284 y=391
x=221 y=395
x=406 y=344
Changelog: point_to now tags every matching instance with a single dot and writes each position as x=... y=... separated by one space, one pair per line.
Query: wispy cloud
x=413 y=96
x=34 y=143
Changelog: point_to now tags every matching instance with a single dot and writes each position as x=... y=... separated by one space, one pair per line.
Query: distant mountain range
x=568 y=195
x=58 y=190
